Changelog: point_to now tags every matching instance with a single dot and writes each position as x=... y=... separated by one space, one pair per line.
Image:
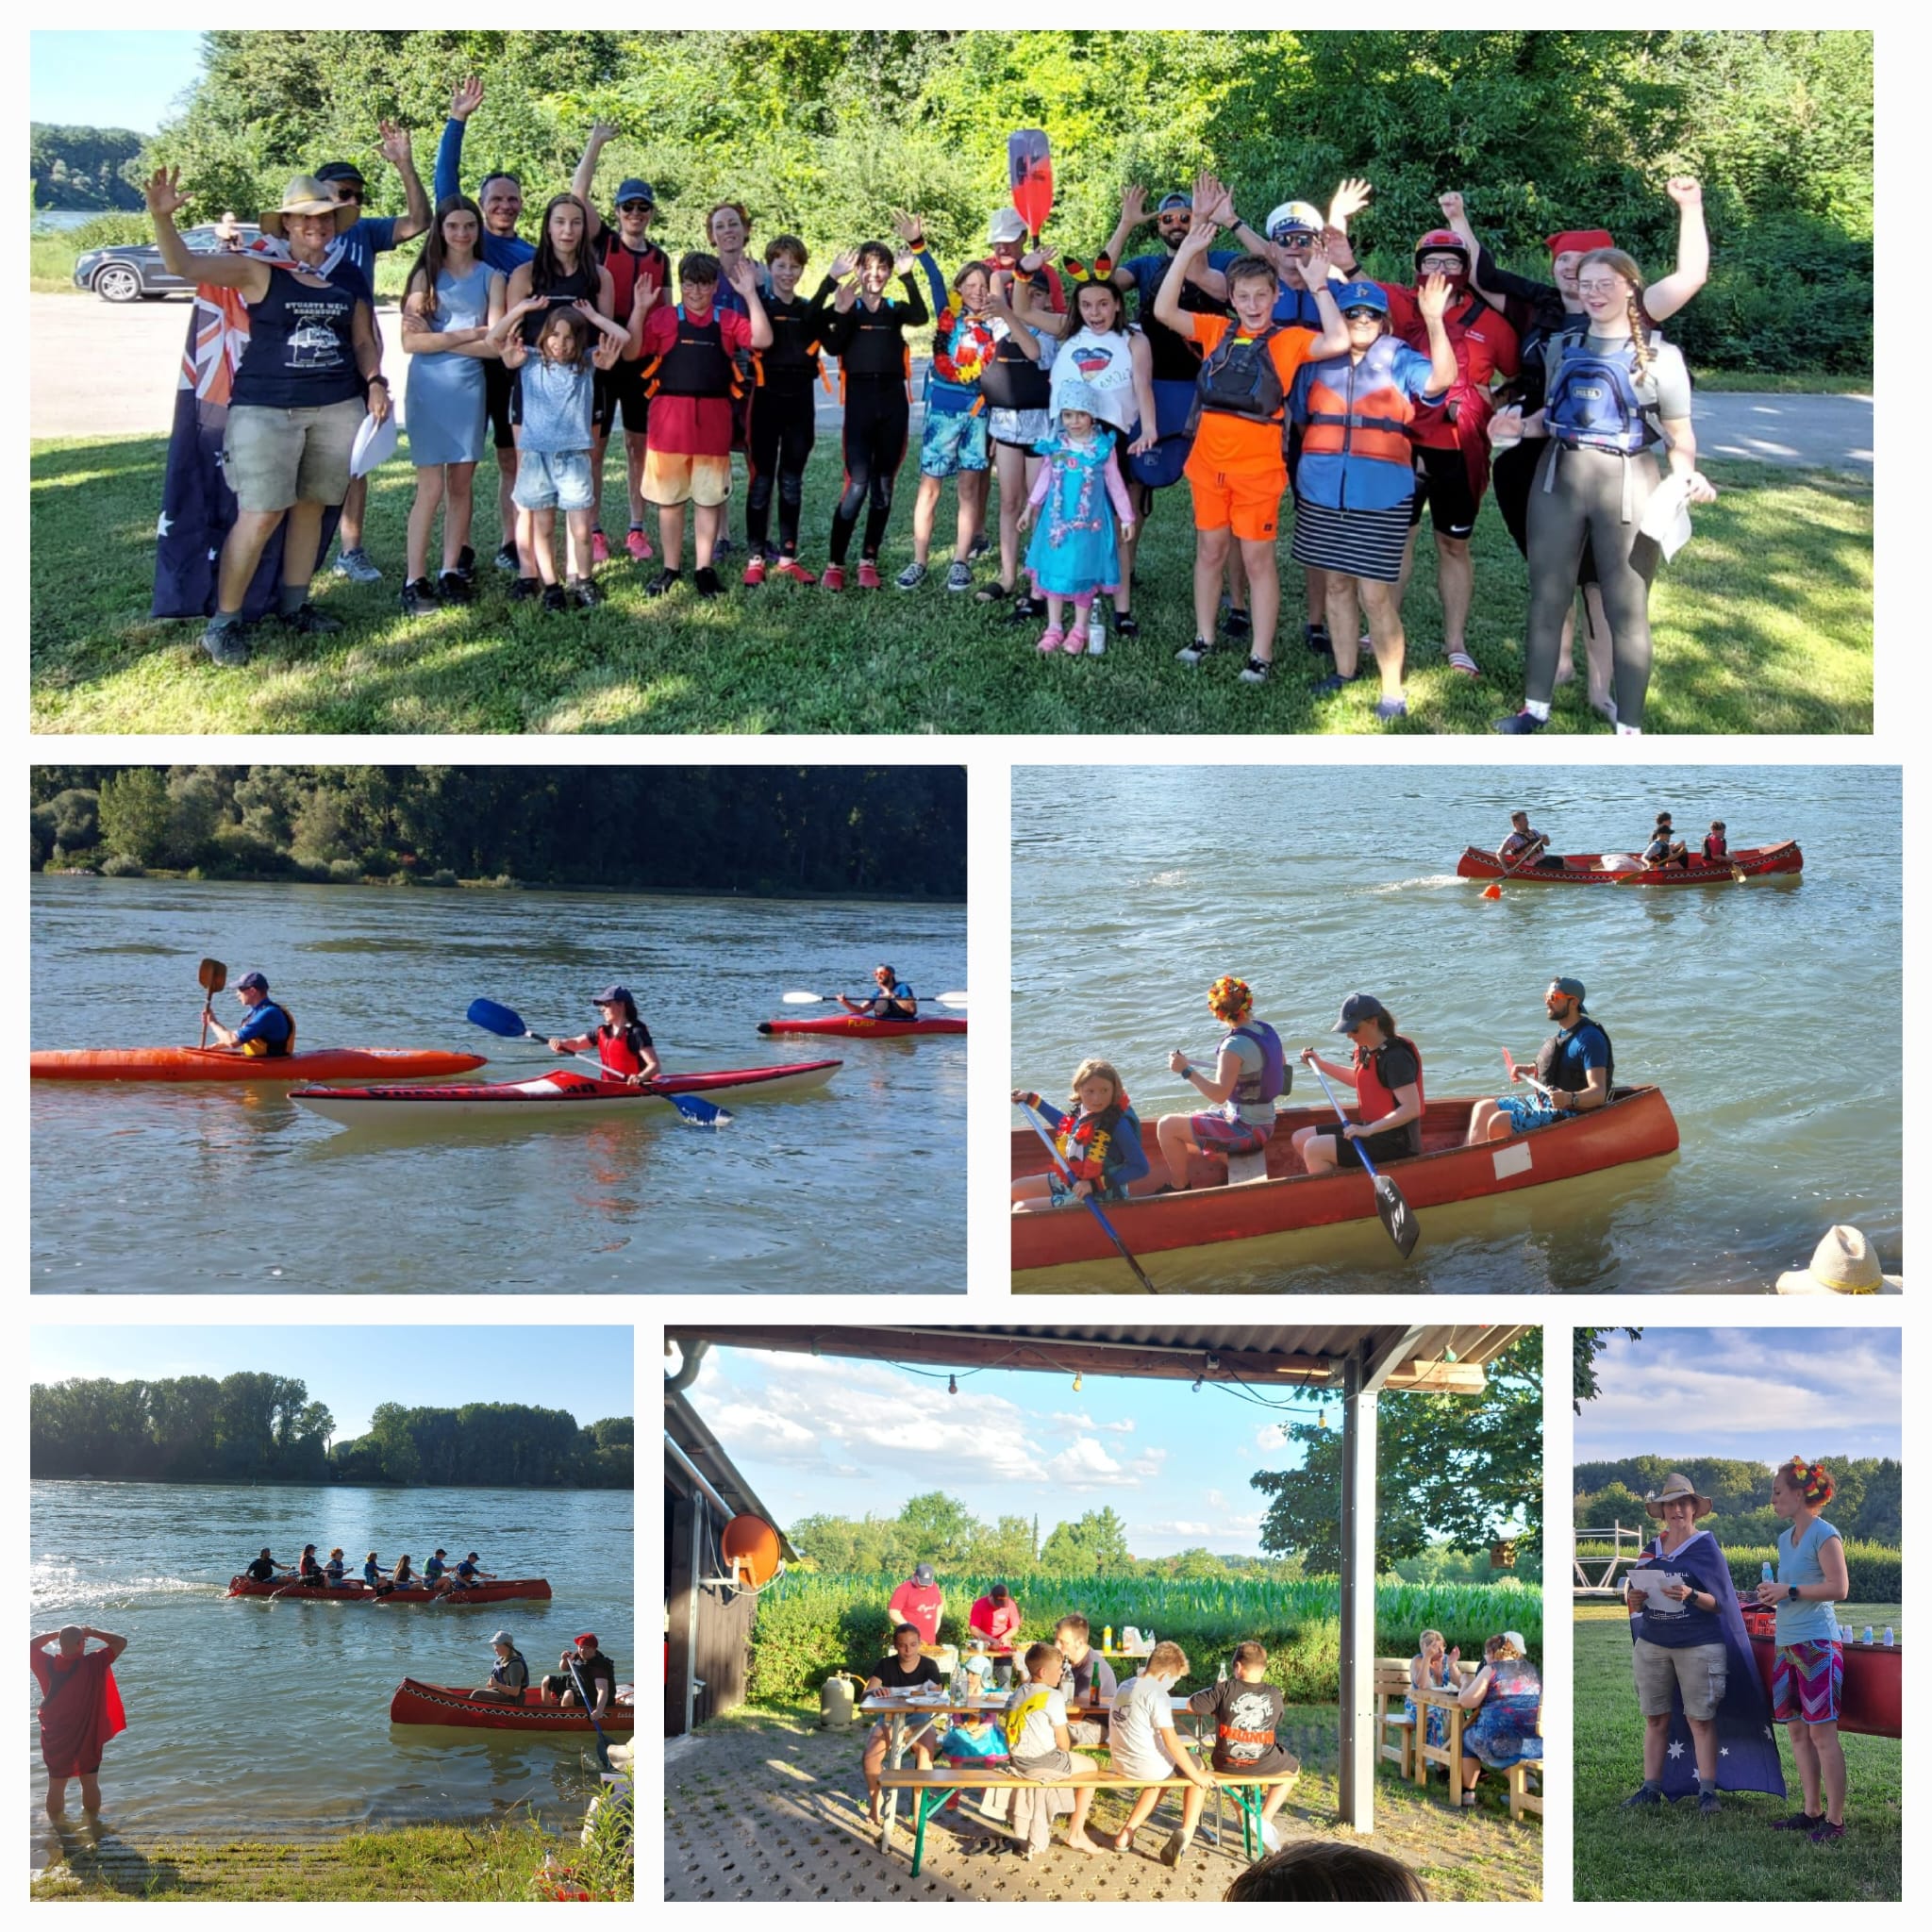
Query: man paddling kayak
x=895 y=999
x=1524 y=847
x=622 y=1042
x=80 y=1709
x=509 y=1676
x=1573 y=1073
x=599 y=1675
x=267 y=1032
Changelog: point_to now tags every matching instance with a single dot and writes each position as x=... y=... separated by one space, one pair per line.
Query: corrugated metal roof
x=1476 y=1342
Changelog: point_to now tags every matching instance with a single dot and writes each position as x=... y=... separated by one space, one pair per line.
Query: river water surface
x=1768 y=1013
x=858 y=1188
x=255 y=1717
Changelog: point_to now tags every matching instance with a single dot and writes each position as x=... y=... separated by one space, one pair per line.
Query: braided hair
x=1812 y=1480
x=1625 y=269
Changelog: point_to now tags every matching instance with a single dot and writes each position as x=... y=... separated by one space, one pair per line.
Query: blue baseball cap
x=634 y=190
x=251 y=982
x=612 y=996
x=1357 y=1008
x=1359 y=296
x=1170 y=202
x=1573 y=988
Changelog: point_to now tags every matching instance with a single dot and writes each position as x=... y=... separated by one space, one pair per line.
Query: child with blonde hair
x=1099 y=1140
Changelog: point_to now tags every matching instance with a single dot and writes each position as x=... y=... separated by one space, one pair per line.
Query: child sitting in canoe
x=1099 y=1140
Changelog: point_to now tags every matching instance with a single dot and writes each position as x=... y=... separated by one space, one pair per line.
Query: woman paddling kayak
x=622 y=1042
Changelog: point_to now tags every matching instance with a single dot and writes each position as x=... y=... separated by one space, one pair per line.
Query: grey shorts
x=1699 y=1670
x=274 y=459
x=1054 y=1768
x=1085 y=1731
x=553 y=479
x=1022 y=428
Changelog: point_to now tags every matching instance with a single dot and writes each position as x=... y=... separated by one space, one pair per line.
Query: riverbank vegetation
x=748 y=829
x=259 y=1427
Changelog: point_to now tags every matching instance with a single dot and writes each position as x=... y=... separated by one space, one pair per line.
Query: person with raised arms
x=451 y=301
x=1386 y=1071
x=1574 y=1073
x=311 y=373
x=622 y=1041
x=80 y=1709
x=1539 y=311
x=501 y=197
x=639 y=272
x=1250 y=1072
x=370 y=236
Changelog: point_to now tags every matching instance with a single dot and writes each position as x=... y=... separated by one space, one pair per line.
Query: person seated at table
x=1507 y=1697
x=1523 y=847
x=895 y=1676
x=997 y=1617
x=1144 y=1744
x=1041 y=1748
x=509 y=1676
x=1665 y=847
x=1088 y=1677
x=1321 y=1871
x=1432 y=1668
x=1246 y=1710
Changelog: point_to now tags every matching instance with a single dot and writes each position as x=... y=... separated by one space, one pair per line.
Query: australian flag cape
x=197 y=505
x=1747 y=1759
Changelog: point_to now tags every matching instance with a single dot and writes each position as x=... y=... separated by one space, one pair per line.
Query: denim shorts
x=554 y=479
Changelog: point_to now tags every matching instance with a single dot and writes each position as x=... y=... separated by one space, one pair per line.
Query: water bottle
x=1096 y=634
x=1764 y=1571
x=1868 y=1634
x=1107 y=1638
x=1888 y=1637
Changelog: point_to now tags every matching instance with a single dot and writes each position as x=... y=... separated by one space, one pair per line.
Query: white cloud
x=1269 y=1438
x=1149 y=1463
x=1216 y=1500
x=1062 y=1420
x=1084 y=1464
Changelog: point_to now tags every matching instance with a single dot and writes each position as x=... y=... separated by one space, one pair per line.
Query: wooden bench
x=1392 y=1686
x=1522 y=1798
x=1450 y=1754
x=931 y=1789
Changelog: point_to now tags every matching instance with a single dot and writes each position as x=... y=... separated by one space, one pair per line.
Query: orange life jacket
x=1357 y=408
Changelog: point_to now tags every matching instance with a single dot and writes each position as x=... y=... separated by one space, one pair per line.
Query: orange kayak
x=224 y=1063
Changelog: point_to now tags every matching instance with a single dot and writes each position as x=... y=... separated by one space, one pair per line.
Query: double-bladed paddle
x=507 y=1024
x=214 y=976
x=1086 y=1200
x=821 y=999
x=1391 y=1208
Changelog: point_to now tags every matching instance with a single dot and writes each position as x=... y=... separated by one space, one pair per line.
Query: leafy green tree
x=940 y=1529
x=136 y=816
x=1586 y=1344
x=1096 y=1546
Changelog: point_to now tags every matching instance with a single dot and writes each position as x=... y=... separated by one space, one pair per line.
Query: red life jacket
x=626 y=266
x=621 y=1049
x=1377 y=1100
x=1357 y=408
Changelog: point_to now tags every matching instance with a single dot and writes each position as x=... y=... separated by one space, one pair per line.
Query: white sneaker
x=1271 y=1839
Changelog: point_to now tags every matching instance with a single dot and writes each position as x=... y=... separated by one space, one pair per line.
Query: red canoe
x=1626 y=868
x=359 y=1593
x=450 y=1705
x=860 y=1025
x=220 y=1064
x=1871 y=1700
x=1636 y=1126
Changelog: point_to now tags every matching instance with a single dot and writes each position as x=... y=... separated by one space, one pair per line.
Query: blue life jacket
x=1259 y=1090
x=1596 y=400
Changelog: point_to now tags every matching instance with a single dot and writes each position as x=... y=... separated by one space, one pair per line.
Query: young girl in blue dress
x=1071 y=509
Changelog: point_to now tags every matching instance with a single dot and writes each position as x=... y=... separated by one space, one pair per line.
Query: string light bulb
x=952 y=1385
x=1076 y=1381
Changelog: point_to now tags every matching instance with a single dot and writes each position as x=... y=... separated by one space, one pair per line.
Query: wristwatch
x=1790 y=1593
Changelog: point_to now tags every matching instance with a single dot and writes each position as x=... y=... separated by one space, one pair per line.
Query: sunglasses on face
x=349 y=191
x=1296 y=240
x=636 y=208
x=1361 y=315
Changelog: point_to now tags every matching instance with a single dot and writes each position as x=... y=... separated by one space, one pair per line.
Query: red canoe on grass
x=450 y=1705
x=502 y=1590
x=1628 y=868
x=1872 y=1701
x=1636 y=1126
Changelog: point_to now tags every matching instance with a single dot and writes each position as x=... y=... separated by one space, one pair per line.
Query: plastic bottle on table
x=1888 y=1637
x=1868 y=1634
x=1107 y=1638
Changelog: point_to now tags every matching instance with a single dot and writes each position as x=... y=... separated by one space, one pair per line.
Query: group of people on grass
x=1098 y=1136
x=1708 y=1725
x=1056 y=1700
x=1087 y=386
x=1506 y=1693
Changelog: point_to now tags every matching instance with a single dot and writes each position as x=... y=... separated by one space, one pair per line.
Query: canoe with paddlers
x=1628 y=869
x=1637 y=1125
x=452 y=1706
x=504 y=1588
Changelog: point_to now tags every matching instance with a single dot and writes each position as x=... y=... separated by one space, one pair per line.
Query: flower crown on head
x=1229 y=992
x=1812 y=1479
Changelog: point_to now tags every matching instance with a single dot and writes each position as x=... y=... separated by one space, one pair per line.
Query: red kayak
x=224 y=1063
x=862 y=1025
x=1628 y=869
x=1636 y=1126
x=502 y=1590
x=450 y=1705
x=552 y=1096
x=1871 y=1700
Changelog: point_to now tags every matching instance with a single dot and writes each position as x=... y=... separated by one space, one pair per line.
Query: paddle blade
x=700 y=1113
x=499 y=1020
x=950 y=999
x=802 y=999
x=1492 y=890
x=213 y=975
x=1394 y=1214
x=1029 y=170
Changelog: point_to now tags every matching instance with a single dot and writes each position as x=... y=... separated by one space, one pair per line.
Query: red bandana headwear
x=1581 y=239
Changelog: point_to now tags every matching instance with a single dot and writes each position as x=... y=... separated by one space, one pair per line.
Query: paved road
x=105 y=371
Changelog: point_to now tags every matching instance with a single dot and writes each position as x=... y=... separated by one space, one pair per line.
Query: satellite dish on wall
x=750 y=1548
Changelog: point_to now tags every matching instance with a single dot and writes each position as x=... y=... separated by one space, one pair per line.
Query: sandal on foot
x=1050 y=640
x=1462 y=662
x=993 y=593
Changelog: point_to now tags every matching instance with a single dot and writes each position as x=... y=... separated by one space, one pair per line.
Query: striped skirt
x=1807 y=1682
x=1355 y=542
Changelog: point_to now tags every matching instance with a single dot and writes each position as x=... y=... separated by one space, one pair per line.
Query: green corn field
x=810 y=1623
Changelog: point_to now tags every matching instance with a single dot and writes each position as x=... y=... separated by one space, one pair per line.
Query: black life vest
x=1240 y=379
x=791 y=362
x=1553 y=1067
x=584 y=283
x=876 y=346
x=261 y=1570
x=697 y=364
x=1012 y=380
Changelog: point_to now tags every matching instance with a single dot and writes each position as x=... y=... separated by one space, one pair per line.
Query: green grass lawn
x=1763 y=625
x=1674 y=1853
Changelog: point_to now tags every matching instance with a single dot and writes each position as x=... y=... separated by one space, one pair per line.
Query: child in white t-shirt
x=1142 y=1743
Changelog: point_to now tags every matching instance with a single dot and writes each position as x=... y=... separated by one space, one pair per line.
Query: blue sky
x=1754 y=1395
x=826 y=1436
x=352 y=1369
x=111 y=80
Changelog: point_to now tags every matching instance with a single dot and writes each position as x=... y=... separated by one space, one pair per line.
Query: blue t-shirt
x=504 y=253
x=1678 y=1626
x=557 y=399
x=267 y=1023
x=1580 y=1051
x=1813 y=1620
x=365 y=240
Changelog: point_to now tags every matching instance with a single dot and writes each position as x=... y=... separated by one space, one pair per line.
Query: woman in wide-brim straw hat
x=1843 y=1263
x=311 y=373
x=1705 y=1724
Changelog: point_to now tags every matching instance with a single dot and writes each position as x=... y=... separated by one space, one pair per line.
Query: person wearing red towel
x=80 y=1709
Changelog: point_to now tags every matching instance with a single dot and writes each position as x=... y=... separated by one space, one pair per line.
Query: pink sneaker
x=1050 y=642
x=639 y=546
x=1076 y=641
x=755 y=573
x=790 y=567
x=600 y=548
x=833 y=578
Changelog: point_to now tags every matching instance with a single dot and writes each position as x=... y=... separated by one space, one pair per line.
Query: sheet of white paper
x=1651 y=1582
